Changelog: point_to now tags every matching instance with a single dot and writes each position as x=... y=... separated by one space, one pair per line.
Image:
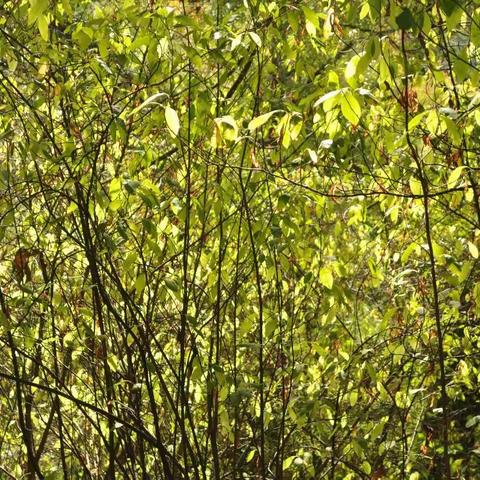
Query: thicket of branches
x=239 y=239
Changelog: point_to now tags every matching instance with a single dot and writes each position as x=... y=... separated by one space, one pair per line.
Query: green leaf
x=452 y=129
x=250 y=456
x=475 y=30
x=42 y=24
x=351 y=108
x=415 y=120
x=311 y=21
x=115 y=186
x=449 y=6
x=454 y=176
x=363 y=64
x=172 y=120
x=351 y=71
x=257 y=122
x=72 y=207
x=131 y=185
x=82 y=38
x=328 y=96
x=405 y=20
x=140 y=283
x=288 y=462
x=130 y=261
x=364 y=11
x=54 y=475
x=5 y=323
x=230 y=121
x=461 y=66
x=150 y=100
x=473 y=249
x=326 y=277
x=373 y=48
x=256 y=39
x=472 y=421
x=367 y=468
x=37 y=7
x=415 y=186
x=377 y=431
x=172 y=285
x=113 y=363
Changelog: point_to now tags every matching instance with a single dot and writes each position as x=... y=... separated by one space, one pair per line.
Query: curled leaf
x=150 y=100
x=328 y=96
x=261 y=120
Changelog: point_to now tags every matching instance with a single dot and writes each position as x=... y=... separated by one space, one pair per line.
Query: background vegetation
x=239 y=239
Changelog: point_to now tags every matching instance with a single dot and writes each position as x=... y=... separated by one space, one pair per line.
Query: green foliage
x=239 y=239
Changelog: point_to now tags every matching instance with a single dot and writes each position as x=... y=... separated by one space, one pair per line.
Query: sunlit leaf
x=473 y=249
x=255 y=37
x=351 y=108
x=154 y=99
x=257 y=122
x=326 y=277
x=43 y=27
x=454 y=176
x=328 y=96
x=172 y=120
x=415 y=186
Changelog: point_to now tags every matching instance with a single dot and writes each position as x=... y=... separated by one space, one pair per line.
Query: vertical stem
x=182 y=393
x=217 y=316
x=236 y=427
x=433 y=274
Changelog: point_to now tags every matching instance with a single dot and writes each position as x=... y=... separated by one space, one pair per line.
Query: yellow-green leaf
x=415 y=186
x=311 y=21
x=473 y=249
x=72 y=207
x=326 y=277
x=42 y=24
x=261 y=119
x=230 y=121
x=172 y=120
x=351 y=108
x=153 y=99
x=377 y=431
x=367 y=467
x=288 y=462
x=113 y=363
x=415 y=120
x=454 y=176
x=5 y=323
x=140 y=283
x=328 y=24
x=257 y=40
x=328 y=96
x=37 y=7
x=351 y=70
